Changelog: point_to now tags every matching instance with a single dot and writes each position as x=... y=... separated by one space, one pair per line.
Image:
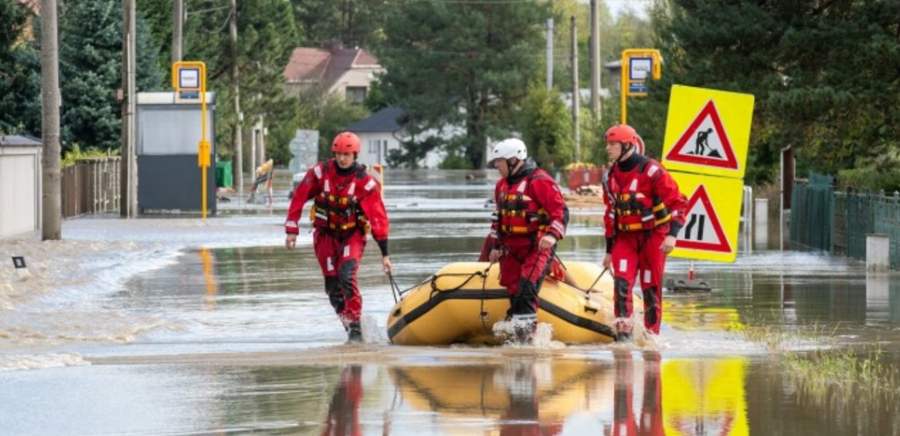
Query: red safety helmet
x=626 y=135
x=345 y=142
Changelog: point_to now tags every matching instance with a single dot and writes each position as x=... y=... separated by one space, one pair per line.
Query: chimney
x=334 y=46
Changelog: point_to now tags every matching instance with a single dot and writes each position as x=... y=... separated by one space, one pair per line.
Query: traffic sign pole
x=189 y=79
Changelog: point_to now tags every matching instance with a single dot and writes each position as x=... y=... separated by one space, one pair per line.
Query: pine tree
x=355 y=23
x=90 y=72
x=19 y=81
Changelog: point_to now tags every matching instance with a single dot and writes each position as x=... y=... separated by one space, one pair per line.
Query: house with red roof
x=345 y=71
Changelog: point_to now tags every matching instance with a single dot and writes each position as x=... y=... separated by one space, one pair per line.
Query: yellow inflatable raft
x=462 y=302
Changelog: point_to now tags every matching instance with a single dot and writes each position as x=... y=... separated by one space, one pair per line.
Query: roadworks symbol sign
x=712 y=217
x=702 y=229
x=705 y=142
x=707 y=132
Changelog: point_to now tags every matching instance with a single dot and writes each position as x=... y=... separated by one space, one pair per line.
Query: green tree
x=90 y=50
x=463 y=64
x=411 y=152
x=352 y=22
x=19 y=80
x=546 y=126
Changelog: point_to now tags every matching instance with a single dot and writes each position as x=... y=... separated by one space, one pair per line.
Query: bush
x=76 y=154
x=869 y=180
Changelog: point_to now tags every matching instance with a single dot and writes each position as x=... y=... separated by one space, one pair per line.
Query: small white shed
x=20 y=186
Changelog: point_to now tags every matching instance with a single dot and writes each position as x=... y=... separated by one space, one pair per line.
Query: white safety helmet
x=508 y=149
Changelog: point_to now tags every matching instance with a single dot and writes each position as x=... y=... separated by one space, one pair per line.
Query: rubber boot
x=354 y=333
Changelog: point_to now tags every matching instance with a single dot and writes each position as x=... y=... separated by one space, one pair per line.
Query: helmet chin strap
x=511 y=166
x=625 y=149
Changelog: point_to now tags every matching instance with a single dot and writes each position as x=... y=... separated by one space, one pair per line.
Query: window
x=356 y=94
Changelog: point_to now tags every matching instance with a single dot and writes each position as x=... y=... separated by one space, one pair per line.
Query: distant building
x=615 y=73
x=348 y=72
x=20 y=185
x=378 y=134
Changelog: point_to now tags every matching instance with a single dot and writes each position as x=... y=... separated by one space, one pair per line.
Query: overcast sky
x=617 y=6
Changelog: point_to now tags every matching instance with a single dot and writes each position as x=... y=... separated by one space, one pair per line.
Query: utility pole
x=595 y=61
x=177 y=28
x=549 y=54
x=128 y=179
x=576 y=95
x=51 y=202
x=238 y=134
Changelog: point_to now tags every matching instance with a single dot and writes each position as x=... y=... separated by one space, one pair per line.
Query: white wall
x=20 y=190
x=374 y=147
x=356 y=77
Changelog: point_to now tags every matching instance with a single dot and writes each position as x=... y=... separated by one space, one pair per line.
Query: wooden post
x=51 y=217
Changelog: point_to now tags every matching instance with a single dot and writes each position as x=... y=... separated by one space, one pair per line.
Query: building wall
x=20 y=190
x=355 y=78
x=374 y=147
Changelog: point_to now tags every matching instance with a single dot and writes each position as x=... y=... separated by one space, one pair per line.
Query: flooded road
x=236 y=336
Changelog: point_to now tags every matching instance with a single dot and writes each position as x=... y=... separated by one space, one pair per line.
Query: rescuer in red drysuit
x=529 y=219
x=347 y=204
x=644 y=213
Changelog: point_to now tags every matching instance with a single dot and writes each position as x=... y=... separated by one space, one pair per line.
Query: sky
x=618 y=6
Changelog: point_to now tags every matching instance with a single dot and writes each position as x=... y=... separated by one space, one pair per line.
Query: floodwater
x=234 y=335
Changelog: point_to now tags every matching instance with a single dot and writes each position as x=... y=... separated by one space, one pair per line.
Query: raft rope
x=395 y=290
x=398 y=293
x=434 y=278
x=482 y=315
x=588 y=290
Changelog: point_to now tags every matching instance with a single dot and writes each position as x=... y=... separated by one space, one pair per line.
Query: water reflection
x=521 y=397
x=704 y=397
x=624 y=422
x=635 y=394
x=343 y=411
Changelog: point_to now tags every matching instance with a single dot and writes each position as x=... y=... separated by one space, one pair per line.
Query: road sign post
x=638 y=66
x=189 y=81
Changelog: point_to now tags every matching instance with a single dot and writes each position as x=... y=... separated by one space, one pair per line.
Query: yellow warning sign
x=707 y=131
x=712 y=217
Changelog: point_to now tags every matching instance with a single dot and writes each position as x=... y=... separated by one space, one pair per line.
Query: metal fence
x=887 y=222
x=841 y=221
x=812 y=211
x=856 y=214
x=90 y=186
